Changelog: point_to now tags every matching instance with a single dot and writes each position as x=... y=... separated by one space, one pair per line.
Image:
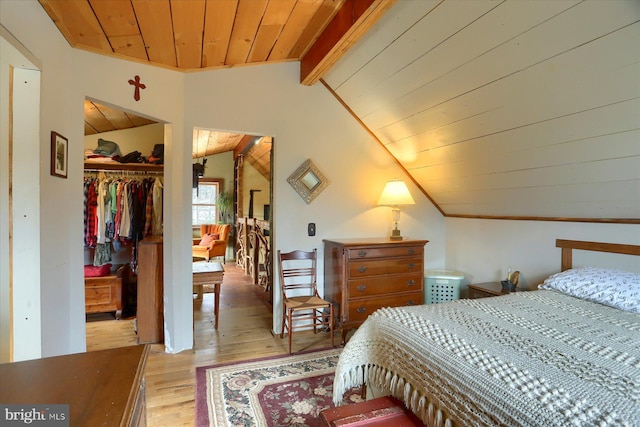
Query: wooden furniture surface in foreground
x=150 y=308
x=363 y=275
x=102 y=388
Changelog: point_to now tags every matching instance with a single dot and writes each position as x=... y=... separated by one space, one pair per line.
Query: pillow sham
x=615 y=288
x=207 y=239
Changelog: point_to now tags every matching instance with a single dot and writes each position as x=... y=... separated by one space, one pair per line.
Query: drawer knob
x=362 y=269
x=362 y=253
x=362 y=288
x=411 y=265
x=412 y=251
x=361 y=309
x=410 y=302
x=411 y=282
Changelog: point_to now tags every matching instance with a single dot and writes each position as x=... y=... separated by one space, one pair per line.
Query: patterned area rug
x=280 y=391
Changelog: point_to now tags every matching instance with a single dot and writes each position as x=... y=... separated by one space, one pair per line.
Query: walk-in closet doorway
x=123 y=206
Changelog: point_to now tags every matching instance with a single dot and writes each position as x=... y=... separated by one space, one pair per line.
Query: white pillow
x=615 y=288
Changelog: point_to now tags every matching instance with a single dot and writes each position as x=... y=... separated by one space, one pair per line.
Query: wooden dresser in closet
x=150 y=309
x=363 y=275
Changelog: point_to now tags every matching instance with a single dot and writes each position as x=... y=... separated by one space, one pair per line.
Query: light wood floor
x=244 y=332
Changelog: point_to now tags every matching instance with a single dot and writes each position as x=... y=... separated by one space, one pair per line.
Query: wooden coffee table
x=208 y=273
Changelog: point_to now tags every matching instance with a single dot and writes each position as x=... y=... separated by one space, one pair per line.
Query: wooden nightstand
x=487 y=289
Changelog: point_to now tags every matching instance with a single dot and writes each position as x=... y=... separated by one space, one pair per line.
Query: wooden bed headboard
x=568 y=245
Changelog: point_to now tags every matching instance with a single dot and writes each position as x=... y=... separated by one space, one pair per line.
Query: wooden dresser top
x=360 y=241
x=98 y=386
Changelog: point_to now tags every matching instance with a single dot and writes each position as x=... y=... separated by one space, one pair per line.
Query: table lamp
x=395 y=193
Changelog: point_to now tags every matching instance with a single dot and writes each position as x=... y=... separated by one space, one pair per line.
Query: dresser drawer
x=384 y=252
x=385 y=266
x=359 y=310
x=385 y=285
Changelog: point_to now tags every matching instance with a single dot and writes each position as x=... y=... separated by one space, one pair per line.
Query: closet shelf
x=139 y=167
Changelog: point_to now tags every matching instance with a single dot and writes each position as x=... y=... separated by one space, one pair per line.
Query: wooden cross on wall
x=138 y=85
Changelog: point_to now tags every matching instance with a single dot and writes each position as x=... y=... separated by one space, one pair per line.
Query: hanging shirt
x=125 y=218
x=92 y=224
x=102 y=194
x=157 y=207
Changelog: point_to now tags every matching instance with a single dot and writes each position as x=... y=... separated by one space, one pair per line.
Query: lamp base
x=395 y=235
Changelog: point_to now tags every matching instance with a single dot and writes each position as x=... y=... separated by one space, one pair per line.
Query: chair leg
x=290 y=316
x=284 y=318
x=315 y=320
x=331 y=323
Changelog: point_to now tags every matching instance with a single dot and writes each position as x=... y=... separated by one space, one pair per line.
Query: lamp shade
x=395 y=193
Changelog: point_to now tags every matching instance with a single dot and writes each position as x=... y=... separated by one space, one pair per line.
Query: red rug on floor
x=273 y=392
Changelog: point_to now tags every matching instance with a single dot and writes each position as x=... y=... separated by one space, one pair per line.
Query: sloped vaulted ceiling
x=499 y=109
x=506 y=108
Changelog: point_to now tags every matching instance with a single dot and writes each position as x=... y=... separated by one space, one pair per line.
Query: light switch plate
x=311 y=229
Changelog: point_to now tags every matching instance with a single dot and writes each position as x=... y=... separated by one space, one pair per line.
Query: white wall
x=106 y=80
x=307 y=122
x=20 y=336
x=221 y=166
x=484 y=249
x=68 y=76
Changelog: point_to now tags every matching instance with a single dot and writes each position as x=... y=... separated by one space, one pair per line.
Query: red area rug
x=279 y=391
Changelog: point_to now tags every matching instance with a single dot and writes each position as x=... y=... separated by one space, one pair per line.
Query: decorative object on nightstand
x=511 y=283
x=488 y=289
x=395 y=193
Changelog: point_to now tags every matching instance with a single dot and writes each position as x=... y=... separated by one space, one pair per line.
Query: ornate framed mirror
x=308 y=181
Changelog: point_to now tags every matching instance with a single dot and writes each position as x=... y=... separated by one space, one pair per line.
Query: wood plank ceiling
x=496 y=109
x=99 y=118
x=506 y=109
x=206 y=34
x=209 y=34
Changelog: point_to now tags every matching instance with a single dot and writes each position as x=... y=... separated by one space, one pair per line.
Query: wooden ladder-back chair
x=300 y=299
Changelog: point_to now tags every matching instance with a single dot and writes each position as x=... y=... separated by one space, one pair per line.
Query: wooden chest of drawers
x=361 y=276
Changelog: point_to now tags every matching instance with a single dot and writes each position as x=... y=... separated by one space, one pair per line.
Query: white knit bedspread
x=536 y=358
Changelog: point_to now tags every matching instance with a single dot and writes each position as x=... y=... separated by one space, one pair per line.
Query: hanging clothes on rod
x=121 y=208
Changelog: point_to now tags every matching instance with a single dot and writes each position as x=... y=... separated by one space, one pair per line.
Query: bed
x=546 y=357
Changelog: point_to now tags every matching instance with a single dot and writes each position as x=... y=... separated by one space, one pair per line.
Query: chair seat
x=306 y=301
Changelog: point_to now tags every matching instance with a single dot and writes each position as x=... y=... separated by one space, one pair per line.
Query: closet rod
x=125 y=172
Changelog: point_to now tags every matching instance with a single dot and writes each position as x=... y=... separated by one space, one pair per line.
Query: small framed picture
x=59 y=155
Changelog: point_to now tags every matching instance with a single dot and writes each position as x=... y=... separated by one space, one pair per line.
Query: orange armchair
x=212 y=242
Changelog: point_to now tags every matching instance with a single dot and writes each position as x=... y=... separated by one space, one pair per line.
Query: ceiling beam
x=244 y=145
x=351 y=22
